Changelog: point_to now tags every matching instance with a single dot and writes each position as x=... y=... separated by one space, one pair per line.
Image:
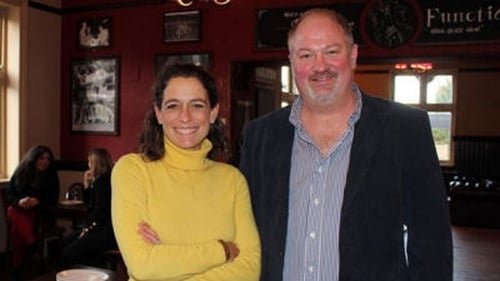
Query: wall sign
x=460 y=21
x=396 y=23
x=389 y=23
x=273 y=24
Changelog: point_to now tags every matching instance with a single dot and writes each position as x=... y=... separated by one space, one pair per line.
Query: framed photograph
x=181 y=26
x=95 y=95
x=94 y=33
x=200 y=59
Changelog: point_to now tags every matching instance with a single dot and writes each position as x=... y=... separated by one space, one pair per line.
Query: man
x=344 y=186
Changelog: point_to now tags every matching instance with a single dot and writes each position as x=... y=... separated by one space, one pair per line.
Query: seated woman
x=177 y=214
x=34 y=184
x=96 y=234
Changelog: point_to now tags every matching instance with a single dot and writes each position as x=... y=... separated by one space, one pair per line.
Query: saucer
x=81 y=275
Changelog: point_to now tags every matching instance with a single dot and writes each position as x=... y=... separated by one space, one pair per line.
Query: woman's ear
x=157 y=114
x=214 y=112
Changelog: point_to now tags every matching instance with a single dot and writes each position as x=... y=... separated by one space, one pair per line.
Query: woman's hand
x=33 y=202
x=148 y=234
x=88 y=178
x=230 y=249
x=28 y=202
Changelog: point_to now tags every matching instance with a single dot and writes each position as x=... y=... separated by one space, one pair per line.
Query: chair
x=5 y=204
x=75 y=192
x=48 y=233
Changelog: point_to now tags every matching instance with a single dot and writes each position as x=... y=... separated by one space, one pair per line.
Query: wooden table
x=74 y=213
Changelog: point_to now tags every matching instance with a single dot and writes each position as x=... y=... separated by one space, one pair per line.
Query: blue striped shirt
x=316 y=193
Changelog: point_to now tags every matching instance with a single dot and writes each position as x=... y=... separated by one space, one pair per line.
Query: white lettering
x=497 y=15
x=431 y=16
x=437 y=17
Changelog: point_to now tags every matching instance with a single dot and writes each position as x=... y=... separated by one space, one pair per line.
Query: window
x=288 y=88
x=10 y=86
x=433 y=91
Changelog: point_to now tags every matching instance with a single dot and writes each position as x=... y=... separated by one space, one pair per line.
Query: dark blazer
x=394 y=178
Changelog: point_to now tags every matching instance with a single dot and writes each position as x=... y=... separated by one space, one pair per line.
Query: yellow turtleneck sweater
x=191 y=202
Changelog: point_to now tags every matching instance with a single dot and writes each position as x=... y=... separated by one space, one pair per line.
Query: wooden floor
x=476 y=255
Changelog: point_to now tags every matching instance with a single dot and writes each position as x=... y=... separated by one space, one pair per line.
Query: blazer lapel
x=367 y=135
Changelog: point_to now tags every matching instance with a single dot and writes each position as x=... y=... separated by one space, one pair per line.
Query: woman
x=34 y=184
x=177 y=214
x=96 y=234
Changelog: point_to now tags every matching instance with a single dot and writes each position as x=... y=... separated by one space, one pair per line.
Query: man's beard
x=331 y=94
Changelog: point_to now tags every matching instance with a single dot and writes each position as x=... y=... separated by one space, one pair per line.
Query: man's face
x=322 y=60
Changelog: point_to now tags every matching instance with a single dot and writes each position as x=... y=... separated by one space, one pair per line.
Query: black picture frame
x=95 y=95
x=183 y=26
x=94 y=32
x=200 y=59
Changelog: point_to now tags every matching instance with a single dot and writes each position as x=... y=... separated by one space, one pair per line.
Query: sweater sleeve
x=144 y=261
x=246 y=267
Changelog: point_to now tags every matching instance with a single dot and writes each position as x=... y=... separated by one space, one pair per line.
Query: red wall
x=228 y=34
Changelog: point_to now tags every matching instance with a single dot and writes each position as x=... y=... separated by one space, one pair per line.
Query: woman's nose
x=185 y=113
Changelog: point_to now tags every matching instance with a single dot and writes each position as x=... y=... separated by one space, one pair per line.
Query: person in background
x=177 y=213
x=96 y=234
x=344 y=186
x=33 y=185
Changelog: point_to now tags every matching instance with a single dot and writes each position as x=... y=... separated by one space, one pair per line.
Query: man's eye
x=332 y=52
x=305 y=56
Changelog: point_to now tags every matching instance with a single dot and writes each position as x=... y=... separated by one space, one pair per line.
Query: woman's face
x=185 y=113
x=43 y=161
x=91 y=162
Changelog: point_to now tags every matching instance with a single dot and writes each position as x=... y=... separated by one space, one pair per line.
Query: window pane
x=407 y=89
x=285 y=79
x=440 y=89
x=441 y=131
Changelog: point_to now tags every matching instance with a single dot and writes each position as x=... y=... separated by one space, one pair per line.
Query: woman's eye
x=170 y=106
x=199 y=105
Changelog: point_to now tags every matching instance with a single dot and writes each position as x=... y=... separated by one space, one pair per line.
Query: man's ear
x=354 y=55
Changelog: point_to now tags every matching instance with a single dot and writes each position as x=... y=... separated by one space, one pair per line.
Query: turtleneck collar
x=187 y=159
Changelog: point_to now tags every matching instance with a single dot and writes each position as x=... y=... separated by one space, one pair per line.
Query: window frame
x=13 y=88
x=3 y=94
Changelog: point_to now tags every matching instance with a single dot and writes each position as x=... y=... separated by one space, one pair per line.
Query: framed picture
x=200 y=59
x=181 y=26
x=94 y=32
x=94 y=95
